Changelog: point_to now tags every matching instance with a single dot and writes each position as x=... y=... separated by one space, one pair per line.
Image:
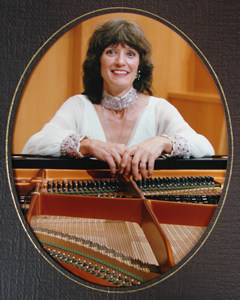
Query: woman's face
x=119 y=67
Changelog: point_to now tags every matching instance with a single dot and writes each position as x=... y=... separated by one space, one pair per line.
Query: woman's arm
x=66 y=122
x=174 y=137
x=63 y=135
x=186 y=141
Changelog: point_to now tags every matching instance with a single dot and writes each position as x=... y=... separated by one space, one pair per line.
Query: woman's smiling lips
x=119 y=72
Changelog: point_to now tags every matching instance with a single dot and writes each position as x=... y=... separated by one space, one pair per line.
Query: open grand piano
x=118 y=232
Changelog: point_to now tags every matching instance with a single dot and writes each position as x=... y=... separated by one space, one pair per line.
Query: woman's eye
x=131 y=53
x=110 y=51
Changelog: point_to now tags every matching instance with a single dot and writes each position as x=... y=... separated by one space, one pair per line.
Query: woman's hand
x=136 y=159
x=109 y=152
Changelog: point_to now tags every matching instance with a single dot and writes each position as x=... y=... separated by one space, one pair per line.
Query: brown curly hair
x=113 y=32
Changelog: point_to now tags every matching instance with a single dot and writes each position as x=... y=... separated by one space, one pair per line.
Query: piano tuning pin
x=84 y=185
x=98 y=185
x=106 y=184
x=63 y=185
x=115 y=184
x=191 y=181
x=102 y=184
x=89 y=185
x=48 y=186
x=148 y=182
x=79 y=185
x=74 y=185
x=156 y=182
x=93 y=184
x=160 y=182
x=53 y=186
x=144 y=183
x=152 y=182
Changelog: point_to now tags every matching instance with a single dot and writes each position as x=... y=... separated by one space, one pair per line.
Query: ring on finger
x=143 y=162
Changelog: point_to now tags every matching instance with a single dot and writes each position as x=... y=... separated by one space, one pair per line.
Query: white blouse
x=77 y=116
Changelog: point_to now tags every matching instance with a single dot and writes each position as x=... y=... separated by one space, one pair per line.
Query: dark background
x=213 y=273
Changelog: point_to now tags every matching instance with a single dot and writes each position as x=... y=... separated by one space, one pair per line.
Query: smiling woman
x=119 y=69
x=116 y=119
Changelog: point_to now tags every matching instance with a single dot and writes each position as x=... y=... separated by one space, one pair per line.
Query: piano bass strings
x=89 y=245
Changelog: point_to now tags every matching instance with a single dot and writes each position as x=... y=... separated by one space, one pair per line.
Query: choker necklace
x=116 y=103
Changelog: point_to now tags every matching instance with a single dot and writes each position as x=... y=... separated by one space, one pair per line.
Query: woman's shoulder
x=75 y=105
x=158 y=102
x=152 y=102
x=154 y=99
x=78 y=100
x=161 y=105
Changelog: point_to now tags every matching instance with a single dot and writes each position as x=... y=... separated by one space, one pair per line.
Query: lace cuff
x=71 y=144
x=181 y=146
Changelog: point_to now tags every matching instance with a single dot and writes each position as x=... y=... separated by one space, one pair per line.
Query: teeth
x=120 y=72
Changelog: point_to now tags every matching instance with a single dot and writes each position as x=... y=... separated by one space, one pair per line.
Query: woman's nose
x=120 y=59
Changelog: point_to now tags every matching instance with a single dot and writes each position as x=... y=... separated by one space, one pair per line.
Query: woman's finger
x=126 y=158
x=151 y=162
x=135 y=163
x=128 y=168
x=143 y=168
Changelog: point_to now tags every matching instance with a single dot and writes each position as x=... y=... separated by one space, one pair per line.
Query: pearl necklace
x=116 y=103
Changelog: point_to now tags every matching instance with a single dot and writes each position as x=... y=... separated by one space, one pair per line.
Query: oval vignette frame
x=37 y=56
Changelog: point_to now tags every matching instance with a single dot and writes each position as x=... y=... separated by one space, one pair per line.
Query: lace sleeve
x=181 y=146
x=71 y=144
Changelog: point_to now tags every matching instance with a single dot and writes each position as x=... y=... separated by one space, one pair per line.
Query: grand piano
x=118 y=232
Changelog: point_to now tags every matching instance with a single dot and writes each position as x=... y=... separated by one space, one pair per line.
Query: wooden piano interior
x=118 y=232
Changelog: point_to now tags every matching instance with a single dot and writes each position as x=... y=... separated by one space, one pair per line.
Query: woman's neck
x=117 y=92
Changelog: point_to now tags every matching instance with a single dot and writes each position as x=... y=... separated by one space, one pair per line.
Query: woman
x=117 y=119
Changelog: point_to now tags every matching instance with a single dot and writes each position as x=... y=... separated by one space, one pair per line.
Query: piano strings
x=91 y=245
